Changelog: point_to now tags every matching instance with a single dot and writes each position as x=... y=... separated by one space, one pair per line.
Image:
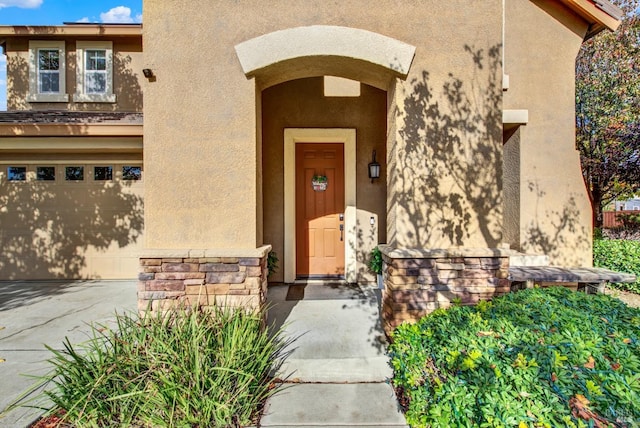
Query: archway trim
x=325 y=41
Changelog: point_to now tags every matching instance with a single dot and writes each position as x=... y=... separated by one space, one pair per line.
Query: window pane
x=48 y=59
x=95 y=60
x=49 y=82
x=17 y=173
x=46 y=173
x=103 y=173
x=74 y=173
x=96 y=82
x=131 y=172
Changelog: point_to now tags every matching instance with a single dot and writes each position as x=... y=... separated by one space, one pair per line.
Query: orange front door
x=320 y=234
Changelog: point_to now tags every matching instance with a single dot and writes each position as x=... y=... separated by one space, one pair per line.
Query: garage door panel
x=58 y=229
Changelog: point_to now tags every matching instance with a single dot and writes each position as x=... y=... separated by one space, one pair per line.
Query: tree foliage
x=608 y=110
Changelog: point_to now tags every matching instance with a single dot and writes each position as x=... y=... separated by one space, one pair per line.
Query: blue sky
x=55 y=12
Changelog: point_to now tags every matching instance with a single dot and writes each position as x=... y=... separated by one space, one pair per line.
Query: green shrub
x=597 y=233
x=198 y=368
x=375 y=261
x=272 y=262
x=621 y=256
x=629 y=220
x=539 y=357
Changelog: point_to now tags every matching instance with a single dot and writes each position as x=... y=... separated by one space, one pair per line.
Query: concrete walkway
x=33 y=314
x=337 y=373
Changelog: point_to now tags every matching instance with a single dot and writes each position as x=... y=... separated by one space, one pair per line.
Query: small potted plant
x=319 y=183
x=376 y=264
x=272 y=263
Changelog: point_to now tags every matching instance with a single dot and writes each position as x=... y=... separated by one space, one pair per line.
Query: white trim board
x=293 y=136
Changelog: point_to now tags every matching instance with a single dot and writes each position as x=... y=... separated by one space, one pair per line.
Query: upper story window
x=94 y=72
x=47 y=71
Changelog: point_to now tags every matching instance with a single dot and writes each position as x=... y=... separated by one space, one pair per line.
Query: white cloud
x=26 y=4
x=84 y=19
x=119 y=14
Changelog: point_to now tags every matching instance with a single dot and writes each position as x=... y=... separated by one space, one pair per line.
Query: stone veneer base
x=216 y=277
x=417 y=281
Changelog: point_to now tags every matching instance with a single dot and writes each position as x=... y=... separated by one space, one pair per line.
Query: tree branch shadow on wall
x=38 y=241
x=126 y=84
x=17 y=76
x=126 y=87
x=449 y=170
x=566 y=231
x=448 y=174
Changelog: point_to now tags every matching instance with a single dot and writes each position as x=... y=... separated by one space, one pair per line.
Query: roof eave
x=593 y=30
x=600 y=14
x=95 y=30
x=12 y=129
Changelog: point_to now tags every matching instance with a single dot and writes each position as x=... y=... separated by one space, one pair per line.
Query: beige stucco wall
x=127 y=76
x=61 y=229
x=542 y=39
x=444 y=149
x=201 y=121
x=302 y=104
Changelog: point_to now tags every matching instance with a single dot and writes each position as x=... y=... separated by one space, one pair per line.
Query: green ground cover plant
x=619 y=255
x=197 y=368
x=534 y=358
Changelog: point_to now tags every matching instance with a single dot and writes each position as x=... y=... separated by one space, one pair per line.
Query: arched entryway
x=298 y=115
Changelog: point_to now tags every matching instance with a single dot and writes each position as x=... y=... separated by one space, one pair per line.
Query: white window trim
x=34 y=96
x=80 y=95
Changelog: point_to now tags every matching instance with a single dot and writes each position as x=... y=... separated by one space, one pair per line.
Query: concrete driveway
x=33 y=314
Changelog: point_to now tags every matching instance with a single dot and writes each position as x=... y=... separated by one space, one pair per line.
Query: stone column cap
x=433 y=253
x=153 y=253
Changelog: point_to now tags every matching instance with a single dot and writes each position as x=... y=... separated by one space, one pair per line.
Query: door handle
x=341 y=217
x=341 y=231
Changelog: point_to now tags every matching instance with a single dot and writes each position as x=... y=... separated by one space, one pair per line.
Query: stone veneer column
x=234 y=278
x=416 y=282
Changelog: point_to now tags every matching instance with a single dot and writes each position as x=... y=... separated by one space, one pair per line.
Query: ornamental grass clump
x=184 y=368
x=535 y=358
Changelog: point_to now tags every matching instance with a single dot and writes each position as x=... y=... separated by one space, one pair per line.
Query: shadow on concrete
x=362 y=301
x=14 y=294
x=278 y=307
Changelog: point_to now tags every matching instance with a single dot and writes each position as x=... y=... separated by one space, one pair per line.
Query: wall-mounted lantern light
x=148 y=73
x=374 y=168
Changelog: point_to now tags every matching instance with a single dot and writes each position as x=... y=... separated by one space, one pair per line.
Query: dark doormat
x=296 y=292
